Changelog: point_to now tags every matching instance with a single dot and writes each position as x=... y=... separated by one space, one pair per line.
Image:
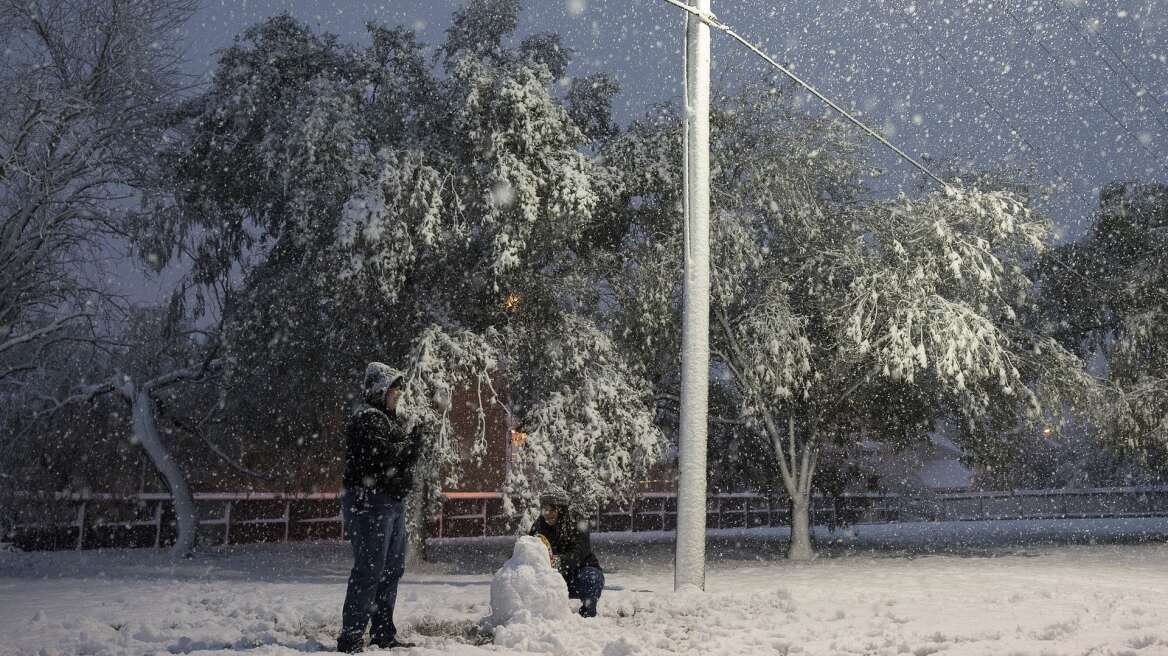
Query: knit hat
x=380 y=377
x=554 y=496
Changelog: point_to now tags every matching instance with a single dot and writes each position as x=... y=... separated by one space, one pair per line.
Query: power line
x=1070 y=74
x=1017 y=134
x=714 y=23
x=1050 y=258
x=1122 y=62
x=709 y=19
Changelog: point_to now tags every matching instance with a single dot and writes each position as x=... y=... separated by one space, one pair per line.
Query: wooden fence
x=147 y=520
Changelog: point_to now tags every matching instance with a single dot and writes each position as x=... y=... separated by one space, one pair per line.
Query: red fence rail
x=147 y=519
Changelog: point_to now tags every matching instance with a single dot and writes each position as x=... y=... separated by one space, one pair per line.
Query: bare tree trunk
x=144 y=421
x=796 y=473
x=416 y=515
x=147 y=434
x=800 y=547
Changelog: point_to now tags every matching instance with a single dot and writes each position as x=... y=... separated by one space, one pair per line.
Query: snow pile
x=662 y=623
x=527 y=587
x=1019 y=597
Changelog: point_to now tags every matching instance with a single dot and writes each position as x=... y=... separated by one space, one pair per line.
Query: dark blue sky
x=922 y=72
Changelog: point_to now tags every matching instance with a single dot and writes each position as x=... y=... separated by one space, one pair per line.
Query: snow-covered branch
x=183 y=374
x=55 y=326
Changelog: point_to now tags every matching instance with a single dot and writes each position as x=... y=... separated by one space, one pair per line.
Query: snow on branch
x=55 y=326
x=593 y=431
x=445 y=360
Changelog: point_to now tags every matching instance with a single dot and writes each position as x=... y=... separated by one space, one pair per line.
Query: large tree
x=153 y=358
x=435 y=218
x=85 y=82
x=88 y=84
x=834 y=314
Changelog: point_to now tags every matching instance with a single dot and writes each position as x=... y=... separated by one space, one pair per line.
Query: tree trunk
x=416 y=515
x=800 y=547
x=146 y=432
x=796 y=474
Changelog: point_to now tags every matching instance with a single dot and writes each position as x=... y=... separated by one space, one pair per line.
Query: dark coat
x=570 y=542
x=379 y=453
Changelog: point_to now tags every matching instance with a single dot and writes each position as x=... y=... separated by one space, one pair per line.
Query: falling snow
x=933 y=414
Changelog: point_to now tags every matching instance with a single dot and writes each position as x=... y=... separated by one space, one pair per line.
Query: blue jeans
x=377 y=531
x=587 y=584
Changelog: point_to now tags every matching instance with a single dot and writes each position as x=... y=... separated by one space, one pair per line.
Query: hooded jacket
x=379 y=453
x=570 y=542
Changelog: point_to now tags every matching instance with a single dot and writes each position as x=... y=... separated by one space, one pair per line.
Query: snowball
x=527 y=587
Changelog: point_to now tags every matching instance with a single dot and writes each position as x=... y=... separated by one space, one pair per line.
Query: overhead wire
x=965 y=80
x=1056 y=261
x=1050 y=258
x=1070 y=74
x=1122 y=62
x=714 y=23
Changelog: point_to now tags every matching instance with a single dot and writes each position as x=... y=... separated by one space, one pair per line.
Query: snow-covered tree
x=87 y=86
x=1074 y=459
x=832 y=313
x=154 y=356
x=84 y=85
x=484 y=237
x=383 y=210
x=1107 y=295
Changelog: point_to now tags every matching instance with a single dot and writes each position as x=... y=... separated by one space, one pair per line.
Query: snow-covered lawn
x=996 y=588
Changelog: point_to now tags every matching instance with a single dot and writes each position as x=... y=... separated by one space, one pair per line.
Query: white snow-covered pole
x=690 y=554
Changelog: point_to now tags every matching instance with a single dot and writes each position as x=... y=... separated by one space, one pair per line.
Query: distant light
x=518 y=438
x=511 y=303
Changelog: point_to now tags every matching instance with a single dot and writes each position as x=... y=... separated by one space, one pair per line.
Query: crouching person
x=571 y=549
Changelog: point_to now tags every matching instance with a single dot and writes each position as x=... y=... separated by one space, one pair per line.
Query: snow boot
x=350 y=646
x=588 y=607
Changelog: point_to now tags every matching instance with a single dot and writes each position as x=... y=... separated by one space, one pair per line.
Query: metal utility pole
x=690 y=555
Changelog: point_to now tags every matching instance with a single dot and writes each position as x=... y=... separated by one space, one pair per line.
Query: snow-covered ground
x=1060 y=587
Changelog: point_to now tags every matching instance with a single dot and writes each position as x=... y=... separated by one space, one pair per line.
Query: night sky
x=1061 y=77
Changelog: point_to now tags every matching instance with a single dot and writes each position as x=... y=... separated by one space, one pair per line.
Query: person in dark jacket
x=571 y=549
x=380 y=453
